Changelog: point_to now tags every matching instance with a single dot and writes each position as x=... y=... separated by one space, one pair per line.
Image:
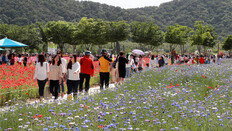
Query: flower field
x=16 y=83
x=172 y=98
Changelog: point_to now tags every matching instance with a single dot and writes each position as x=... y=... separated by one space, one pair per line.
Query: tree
x=203 y=36
x=59 y=32
x=227 y=45
x=178 y=35
x=43 y=36
x=146 y=33
x=30 y=37
x=90 y=32
x=117 y=31
x=24 y=34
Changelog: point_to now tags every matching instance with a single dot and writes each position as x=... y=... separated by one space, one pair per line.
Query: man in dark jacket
x=122 y=61
x=4 y=58
x=87 y=70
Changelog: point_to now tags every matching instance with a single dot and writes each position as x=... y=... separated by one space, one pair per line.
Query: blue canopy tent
x=10 y=43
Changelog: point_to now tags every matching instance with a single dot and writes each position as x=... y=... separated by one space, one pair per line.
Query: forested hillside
x=218 y=13
x=184 y=12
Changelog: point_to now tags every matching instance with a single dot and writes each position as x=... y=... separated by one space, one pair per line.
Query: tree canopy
x=227 y=45
x=146 y=33
x=203 y=35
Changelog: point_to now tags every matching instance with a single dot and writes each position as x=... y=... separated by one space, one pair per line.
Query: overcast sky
x=132 y=3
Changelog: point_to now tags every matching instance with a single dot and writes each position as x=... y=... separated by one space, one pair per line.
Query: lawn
x=184 y=97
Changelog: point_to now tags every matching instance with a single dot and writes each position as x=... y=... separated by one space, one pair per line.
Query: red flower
x=40 y=116
x=177 y=84
x=27 y=93
x=34 y=117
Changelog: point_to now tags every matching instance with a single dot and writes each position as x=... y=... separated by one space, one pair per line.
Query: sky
x=126 y=4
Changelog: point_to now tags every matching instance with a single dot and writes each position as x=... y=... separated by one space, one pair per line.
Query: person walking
x=114 y=70
x=25 y=60
x=140 y=64
x=197 y=59
x=41 y=74
x=129 y=65
x=55 y=75
x=161 y=61
x=104 y=62
x=64 y=70
x=173 y=56
x=12 y=59
x=87 y=70
x=122 y=61
x=153 y=62
x=202 y=60
x=20 y=59
x=72 y=75
x=4 y=58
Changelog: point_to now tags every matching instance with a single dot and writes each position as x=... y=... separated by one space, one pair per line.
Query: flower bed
x=172 y=98
x=16 y=83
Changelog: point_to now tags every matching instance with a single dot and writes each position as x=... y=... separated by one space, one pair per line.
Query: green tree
x=59 y=32
x=91 y=32
x=117 y=31
x=227 y=45
x=146 y=33
x=43 y=36
x=25 y=34
x=203 y=36
x=177 y=35
x=31 y=37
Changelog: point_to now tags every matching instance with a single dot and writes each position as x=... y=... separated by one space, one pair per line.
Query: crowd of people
x=55 y=70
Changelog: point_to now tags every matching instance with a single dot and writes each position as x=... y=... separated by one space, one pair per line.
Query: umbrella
x=138 y=52
x=1 y=49
x=10 y=43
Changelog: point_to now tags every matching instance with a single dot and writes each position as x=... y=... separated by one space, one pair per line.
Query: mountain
x=218 y=13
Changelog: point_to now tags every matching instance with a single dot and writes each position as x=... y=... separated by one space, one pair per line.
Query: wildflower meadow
x=177 y=97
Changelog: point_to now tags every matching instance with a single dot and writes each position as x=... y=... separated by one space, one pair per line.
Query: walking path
x=92 y=91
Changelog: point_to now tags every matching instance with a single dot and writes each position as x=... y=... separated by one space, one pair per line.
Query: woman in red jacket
x=202 y=60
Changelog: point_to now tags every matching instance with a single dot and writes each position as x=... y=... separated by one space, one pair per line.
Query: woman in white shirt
x=129 y=65
x=20 y=60
x=41 y=74
x=64 y=70
x=153 y=62
x=72 y=75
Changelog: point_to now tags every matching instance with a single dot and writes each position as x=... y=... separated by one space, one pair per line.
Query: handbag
x=47 y=93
